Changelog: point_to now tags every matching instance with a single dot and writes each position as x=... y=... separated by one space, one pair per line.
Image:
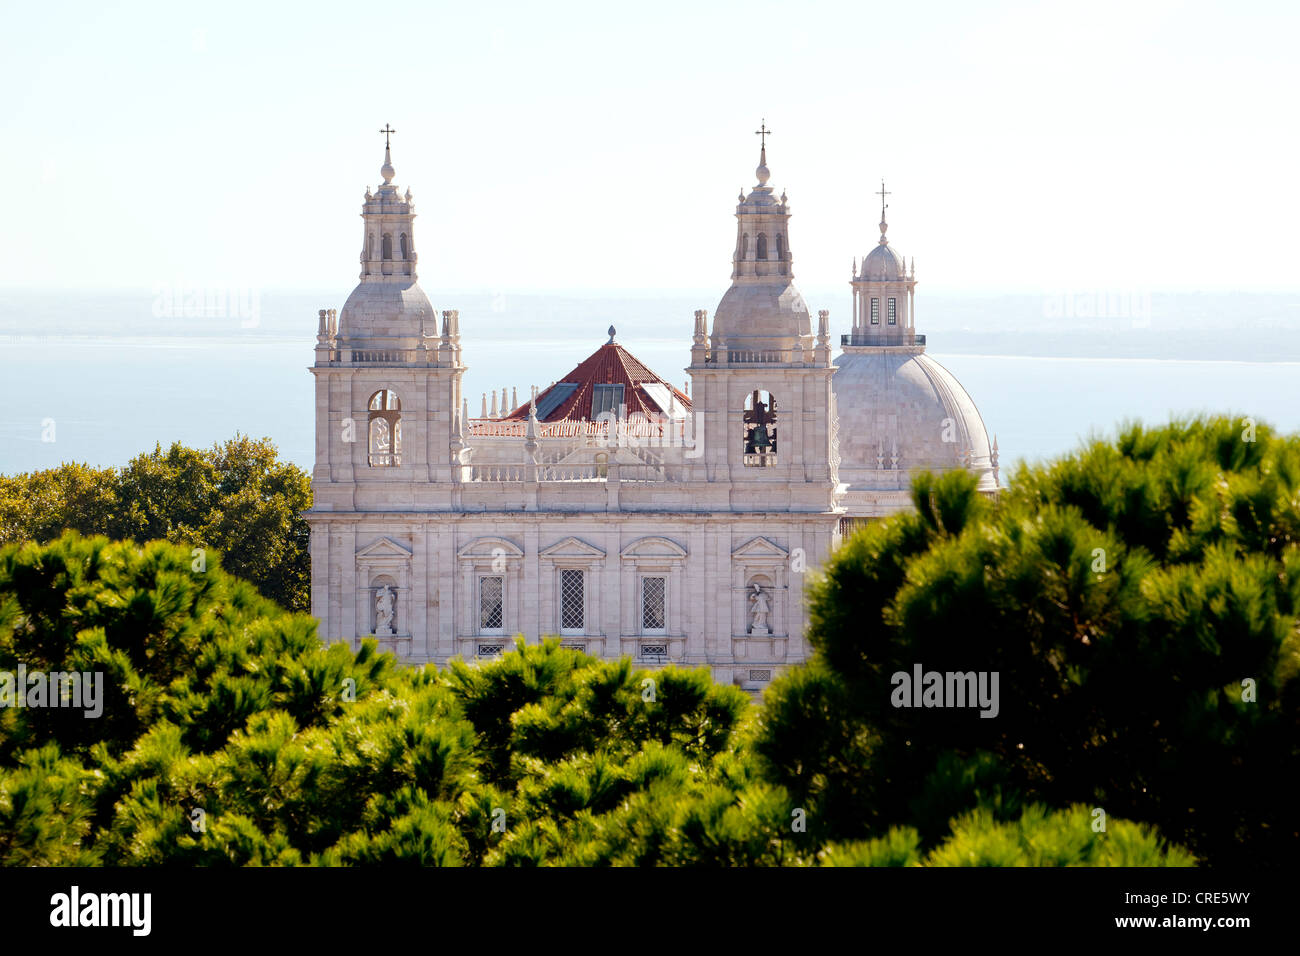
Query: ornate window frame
x=653 y=556
x=571 y=554
x=489 y=556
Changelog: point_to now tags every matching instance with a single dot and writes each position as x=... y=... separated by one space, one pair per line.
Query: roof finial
x=387 y=170
x=762 y=171
x=883 y=225
x=611 y=336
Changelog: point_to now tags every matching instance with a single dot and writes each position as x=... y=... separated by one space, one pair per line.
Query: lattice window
x=757 y=675
x=572 y=598
x=654 y=615
x=490 y=604
x=875 y=311
x=893 y=311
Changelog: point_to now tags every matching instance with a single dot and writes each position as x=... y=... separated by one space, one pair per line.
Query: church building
x=612 y=509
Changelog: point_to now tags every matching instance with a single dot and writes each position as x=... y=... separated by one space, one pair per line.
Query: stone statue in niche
x=758 y=607
x=384 y=612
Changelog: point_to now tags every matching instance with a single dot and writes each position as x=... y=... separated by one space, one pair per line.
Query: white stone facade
x=686 y=541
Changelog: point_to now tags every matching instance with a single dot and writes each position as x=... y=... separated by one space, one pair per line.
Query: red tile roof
x=611 y=364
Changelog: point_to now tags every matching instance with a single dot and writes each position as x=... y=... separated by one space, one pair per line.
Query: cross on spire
x=882 y=194
x=763 y=133
x=387 y=131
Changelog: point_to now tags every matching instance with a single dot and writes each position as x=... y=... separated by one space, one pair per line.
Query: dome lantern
x=883 y=294
x=762 y=311
x=900 y=411
x=387 y=309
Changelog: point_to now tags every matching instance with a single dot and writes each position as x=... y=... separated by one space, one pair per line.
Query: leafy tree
x=1139 y=602
x=235 y=498
x=1040 y=837
x=41 y=505
x=230 y=736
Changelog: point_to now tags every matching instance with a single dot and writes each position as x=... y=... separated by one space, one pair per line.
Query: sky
x=600 y=146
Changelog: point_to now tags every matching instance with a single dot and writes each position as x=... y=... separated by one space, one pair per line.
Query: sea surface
x=106 y=381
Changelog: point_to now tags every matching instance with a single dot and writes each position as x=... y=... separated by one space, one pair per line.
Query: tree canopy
x=230 y=736
x=236 y=498
x=1139 y=600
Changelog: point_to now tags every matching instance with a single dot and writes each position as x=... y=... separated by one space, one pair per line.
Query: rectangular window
x=653 y=605
x=572 y=597
x=893 y=311
x=491 y=605
x=875 y=311
x=605 y=399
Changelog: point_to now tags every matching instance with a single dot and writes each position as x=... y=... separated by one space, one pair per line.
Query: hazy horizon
x=127 y=378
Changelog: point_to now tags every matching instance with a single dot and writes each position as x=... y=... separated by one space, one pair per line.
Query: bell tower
x=761 y=381
x=389 y=409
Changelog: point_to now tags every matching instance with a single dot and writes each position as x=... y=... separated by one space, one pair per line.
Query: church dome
x=387 y=311
x=900 y=402
x=762 y=315
x=883 y=263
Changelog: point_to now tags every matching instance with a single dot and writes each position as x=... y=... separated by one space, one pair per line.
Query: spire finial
x=883 y=225
x=611 y=336
x=387 y=170
x=762 y=172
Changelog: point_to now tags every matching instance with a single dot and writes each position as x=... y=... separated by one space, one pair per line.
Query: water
x=104 y=398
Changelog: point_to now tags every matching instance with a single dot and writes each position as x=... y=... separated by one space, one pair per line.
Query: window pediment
x=490 y=547
x=384 y=548
x=761 y=548
x=572 y=548
x=653 y=547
